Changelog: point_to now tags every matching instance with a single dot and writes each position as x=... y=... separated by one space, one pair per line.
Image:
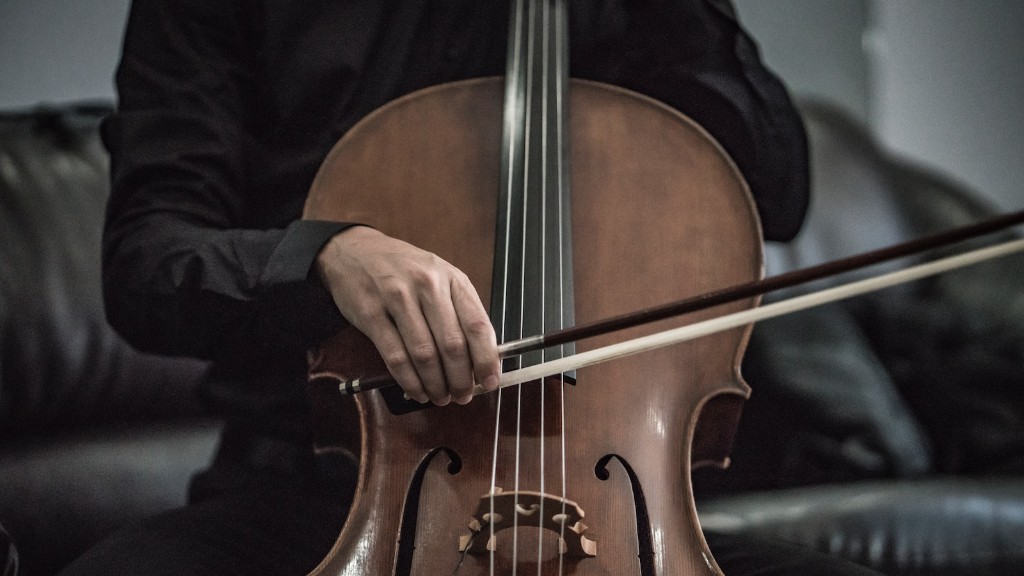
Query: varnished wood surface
x=659 y=214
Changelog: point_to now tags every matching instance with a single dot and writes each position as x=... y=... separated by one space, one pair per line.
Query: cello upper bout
x=442 y=196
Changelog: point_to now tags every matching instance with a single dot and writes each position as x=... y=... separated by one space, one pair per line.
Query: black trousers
x=266 y=509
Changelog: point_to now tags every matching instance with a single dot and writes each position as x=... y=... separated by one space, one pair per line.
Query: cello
x=425 y=502
x=586 y=472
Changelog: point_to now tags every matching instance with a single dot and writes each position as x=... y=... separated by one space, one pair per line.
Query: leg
x=265 y=507
x=277 y=531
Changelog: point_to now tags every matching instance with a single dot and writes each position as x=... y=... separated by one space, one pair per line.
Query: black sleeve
x=694 y=56
x=184 y=271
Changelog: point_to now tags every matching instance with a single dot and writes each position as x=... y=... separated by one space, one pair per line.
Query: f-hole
x=643 y=522
x=410 y=514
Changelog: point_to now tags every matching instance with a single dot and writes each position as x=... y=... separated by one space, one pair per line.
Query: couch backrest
x=865 y=197
x=918 y=379
x=61 y=365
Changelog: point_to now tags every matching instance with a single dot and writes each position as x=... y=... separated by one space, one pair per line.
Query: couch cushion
x=62 y=493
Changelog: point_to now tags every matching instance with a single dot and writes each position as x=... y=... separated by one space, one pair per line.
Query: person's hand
x=422 y=314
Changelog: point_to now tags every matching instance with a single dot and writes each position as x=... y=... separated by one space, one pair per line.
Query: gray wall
x=940 y=81
x=949 y=88
x=58 y=50
x=815 y=46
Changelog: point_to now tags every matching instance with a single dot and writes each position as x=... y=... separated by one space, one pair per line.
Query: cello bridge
x=500 y=510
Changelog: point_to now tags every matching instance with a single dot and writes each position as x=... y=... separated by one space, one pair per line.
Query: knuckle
x=460 y=278
x=453 y=345
x=423 y=354
x=396 y=359
x=393 y=291
x=428 y=279
x=478 y=327
x=461 y=281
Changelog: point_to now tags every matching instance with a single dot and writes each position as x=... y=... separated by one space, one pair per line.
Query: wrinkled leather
x=92 y=432
x=887 y=429
x=952 y=526
x=824 y=408
x=916 y=379
x=60 y=364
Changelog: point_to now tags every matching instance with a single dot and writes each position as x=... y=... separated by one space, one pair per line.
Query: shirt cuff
x=299 y=303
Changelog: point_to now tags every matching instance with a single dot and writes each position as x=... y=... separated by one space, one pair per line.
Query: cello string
x=561 y=47
x=542 y=302
x=527 y=138
x=513 y=104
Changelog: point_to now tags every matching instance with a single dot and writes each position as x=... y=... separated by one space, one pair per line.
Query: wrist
x=333 y=251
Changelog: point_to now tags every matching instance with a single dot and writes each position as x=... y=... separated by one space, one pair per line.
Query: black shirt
x=228 y=107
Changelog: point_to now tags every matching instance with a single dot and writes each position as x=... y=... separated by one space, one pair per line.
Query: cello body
x=596 y=471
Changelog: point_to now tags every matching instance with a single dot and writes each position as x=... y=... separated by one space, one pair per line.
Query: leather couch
x=888 y=429
x=93 y=434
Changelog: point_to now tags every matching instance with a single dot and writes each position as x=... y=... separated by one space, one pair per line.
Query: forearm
x=177 y=288
x=190 y=265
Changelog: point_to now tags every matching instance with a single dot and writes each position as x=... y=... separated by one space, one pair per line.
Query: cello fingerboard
x=532 y=286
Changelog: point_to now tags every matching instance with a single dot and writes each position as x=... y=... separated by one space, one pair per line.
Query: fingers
x=464 y=337
x=448 y=336
x=419 y=336
x=422 y=314
x=480 y=337
x=386 y=337
x=451 y=344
